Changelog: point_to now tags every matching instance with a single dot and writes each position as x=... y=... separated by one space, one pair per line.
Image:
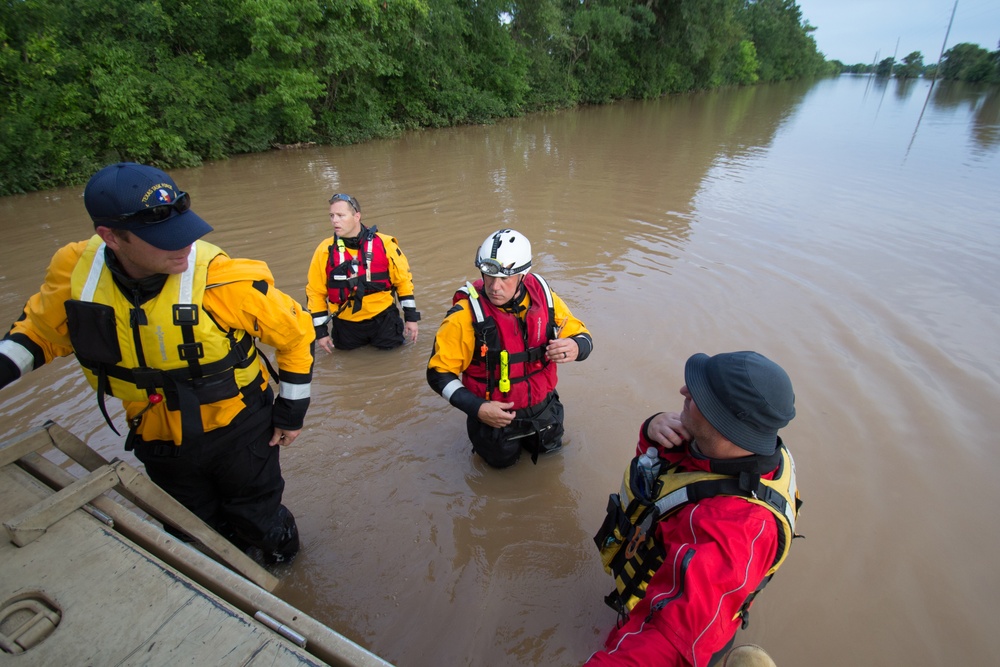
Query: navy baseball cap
x=744 y=395
x=146 y=202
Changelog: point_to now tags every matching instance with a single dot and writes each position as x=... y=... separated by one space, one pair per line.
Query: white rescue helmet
x=504 y=253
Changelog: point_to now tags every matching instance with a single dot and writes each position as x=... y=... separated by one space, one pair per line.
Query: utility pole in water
x=933 y=80
x=945 y=43
x=871 y=75
x=892 y=64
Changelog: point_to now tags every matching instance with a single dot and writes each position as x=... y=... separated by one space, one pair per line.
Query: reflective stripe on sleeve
x=408 y=302
x=294 y=392
x=451 y=388
x=19 y=354
x=320 y=320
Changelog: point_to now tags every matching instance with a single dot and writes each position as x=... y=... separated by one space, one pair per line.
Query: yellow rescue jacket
x=165 y=348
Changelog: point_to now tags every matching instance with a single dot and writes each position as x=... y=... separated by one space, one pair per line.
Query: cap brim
x=696 y=379
x=174 y=233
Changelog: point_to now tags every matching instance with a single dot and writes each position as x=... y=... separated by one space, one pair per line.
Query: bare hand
x=283 y=437
x=325 y=343
x=410 y=331
x=562 y=350
x=496 y=414
x=666 y=429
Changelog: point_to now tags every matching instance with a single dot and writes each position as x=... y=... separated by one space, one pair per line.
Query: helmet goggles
x=491 y=267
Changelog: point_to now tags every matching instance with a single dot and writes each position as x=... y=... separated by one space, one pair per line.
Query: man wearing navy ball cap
x=162 y=321
x=154 y=210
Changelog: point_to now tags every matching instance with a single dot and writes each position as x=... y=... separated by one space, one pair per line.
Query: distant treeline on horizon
x=176 y=82
x=962 y=62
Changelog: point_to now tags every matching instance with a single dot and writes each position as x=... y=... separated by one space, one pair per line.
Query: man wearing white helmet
x=495 y=358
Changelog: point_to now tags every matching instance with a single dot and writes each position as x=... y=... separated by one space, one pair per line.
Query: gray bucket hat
x=744 y=395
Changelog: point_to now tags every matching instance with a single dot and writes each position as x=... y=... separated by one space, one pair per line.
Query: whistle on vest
x=135 y=421
x=633 y=544
x=153 y=400
x=504 y=383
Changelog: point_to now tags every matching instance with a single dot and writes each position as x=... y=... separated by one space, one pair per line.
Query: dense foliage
x=175 y=82
x=962 y=62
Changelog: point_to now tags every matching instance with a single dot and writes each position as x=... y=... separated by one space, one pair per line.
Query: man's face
x=500 y=289
x=345 y=220
x=693 y=420
x=140 y=259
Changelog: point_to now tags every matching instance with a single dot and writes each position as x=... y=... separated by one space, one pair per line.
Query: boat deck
x=77 y=592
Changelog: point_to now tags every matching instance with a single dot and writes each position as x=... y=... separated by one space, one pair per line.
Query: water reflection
x=979 y=101
x=976 y=100
x=779 y=218
x=953 y=95
x=986 y=120
x=905 y=87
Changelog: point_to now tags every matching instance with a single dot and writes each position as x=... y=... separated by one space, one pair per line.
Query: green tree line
x=177 y=82
x=962 y=62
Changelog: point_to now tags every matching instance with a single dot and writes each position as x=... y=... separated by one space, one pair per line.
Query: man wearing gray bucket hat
x=705 y=517
x=166 y=323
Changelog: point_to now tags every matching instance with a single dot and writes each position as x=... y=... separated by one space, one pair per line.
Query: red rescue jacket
x=717 y=551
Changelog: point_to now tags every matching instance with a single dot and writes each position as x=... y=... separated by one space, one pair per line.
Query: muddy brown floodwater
x=829 y=226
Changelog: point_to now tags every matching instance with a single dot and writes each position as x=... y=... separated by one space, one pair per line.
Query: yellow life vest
x=167 y=345
x=626 y=541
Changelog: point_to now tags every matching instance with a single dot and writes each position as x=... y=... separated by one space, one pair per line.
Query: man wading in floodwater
x=506 y=347
x=166 y=323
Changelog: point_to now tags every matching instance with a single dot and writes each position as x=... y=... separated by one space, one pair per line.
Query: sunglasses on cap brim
x=154 y=214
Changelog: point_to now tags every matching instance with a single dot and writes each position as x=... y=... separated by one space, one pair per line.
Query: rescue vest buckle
x=189 y=351
x=147 y=378
x=185 y=313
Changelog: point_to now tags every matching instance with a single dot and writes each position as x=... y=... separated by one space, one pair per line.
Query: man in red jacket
x=725 y=515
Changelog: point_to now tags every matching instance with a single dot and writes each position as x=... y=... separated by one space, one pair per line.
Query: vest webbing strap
x=354 y=288
x=242 y=352
x=102 y=389
x=714 y=487
x=527 y=356
x=239 y=356
x=746 y=486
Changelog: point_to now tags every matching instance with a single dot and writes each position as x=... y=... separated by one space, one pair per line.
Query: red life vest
x=531 y=376
x=352 y=277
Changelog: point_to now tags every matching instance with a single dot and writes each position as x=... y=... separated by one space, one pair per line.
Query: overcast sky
x=852 y=31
